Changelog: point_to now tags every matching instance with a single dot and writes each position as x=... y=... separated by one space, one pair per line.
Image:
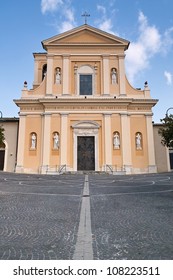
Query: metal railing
x=58 y=169
x=114 y=168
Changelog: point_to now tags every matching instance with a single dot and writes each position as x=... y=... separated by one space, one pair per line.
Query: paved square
x=111 y=217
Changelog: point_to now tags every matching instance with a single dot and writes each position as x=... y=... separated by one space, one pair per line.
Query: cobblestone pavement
x=131 y=216
x=39 y=216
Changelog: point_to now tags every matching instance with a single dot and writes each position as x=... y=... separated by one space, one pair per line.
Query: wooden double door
x=85 y=153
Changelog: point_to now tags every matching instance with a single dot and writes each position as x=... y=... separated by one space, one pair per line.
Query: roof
x=9 y=119
x=85 y=34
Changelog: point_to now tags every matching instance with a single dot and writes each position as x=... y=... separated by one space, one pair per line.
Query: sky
x=147 y=24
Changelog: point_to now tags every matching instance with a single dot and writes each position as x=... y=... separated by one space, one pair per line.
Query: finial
x=86 y=15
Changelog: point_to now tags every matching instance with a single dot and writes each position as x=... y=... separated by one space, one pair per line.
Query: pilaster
x=106 y=75
x=126 y=142
x=21 y=144
x=50 y=76
x=108 y=139
x=64 y=139
x=150 y=139
x=66 y=68
x=122 y=75
x=46 y=142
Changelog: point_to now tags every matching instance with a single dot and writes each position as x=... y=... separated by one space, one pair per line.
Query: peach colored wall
x=55 y=127
x=139 y=157
x=32 y=157
x=116 y=154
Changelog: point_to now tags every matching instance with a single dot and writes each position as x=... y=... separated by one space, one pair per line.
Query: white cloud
x=65 y=26
x=105 y=22
x=146 y=46
x=50 y=5
x=66 y=19
x=167 y=40
x=168 y=77
x=101 y=9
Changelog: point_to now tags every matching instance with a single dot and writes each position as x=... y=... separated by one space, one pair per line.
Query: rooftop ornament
x=86 y=15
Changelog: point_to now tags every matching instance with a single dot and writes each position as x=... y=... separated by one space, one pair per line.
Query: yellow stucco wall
x=139 y=157
x=32 y=157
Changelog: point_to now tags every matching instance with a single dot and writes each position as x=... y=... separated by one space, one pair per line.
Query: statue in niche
x=56 y=141
x=114 y=76
x=58 y=76
x=138 y=141
x=116 y=141
x=33 y=141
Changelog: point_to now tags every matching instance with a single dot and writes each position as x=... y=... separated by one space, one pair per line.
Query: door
x=2 y=155
x=85 y=153
x=171 y=158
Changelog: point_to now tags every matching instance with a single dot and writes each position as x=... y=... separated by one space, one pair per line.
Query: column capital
x=121 y=55
x=107 y=114
x=66 y=55
x=105 y=55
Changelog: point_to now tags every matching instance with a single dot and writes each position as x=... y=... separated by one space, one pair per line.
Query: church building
x=82 y=114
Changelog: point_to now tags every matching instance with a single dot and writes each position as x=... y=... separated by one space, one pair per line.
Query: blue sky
x=147 y=24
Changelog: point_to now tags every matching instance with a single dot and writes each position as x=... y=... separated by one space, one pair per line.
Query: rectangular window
x=85 y=84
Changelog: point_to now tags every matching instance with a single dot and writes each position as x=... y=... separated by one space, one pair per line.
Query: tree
x=2 y=137
x=166 y=131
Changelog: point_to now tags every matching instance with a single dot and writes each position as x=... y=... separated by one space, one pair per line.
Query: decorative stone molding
x=86 y=128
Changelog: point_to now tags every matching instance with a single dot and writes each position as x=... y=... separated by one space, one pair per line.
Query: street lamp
x=168 y=111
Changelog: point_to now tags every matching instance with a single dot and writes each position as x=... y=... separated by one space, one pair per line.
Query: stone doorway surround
x=86 y=128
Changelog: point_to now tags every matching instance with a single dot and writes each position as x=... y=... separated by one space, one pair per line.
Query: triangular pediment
x=85 y=35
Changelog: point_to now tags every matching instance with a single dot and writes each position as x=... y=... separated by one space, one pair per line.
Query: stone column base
x=152 y=169
x=19 y=169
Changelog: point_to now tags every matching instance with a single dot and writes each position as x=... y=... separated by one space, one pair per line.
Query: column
x=36 y=81
x=66 y=67
x=150 y=140
x=46 y=143
x=64 y=139
x=122 y=75
x=21 y=144
x=126 y=142
x=108 y=139
x=50 y=75
x=106 y=74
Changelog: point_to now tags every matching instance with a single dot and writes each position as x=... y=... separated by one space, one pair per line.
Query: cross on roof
x=86 y=15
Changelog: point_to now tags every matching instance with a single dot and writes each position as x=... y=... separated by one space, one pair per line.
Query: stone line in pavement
x=83 y=248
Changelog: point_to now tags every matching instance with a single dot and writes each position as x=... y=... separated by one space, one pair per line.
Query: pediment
x=86 y=125
x=85 y=35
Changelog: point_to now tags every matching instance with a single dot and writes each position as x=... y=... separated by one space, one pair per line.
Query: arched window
x=44 y=71
x=138 y=140
x=56 y=140
x=116 y=140
x=33 y=141
x=85 y=80
x=114 y=76
x=58 y=75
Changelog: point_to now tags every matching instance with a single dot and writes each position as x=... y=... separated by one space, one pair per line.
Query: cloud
x=167 y=40
x=105 y=21
x=66 y=18
x=146 y=46
x=168 y=77
x=50 y=5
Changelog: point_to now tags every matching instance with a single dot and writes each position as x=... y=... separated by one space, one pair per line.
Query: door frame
x=86 y=128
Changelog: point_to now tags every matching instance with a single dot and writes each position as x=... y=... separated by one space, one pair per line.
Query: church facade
x=82 y=114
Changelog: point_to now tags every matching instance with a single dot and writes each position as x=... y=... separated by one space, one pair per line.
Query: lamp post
x=168 y=111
